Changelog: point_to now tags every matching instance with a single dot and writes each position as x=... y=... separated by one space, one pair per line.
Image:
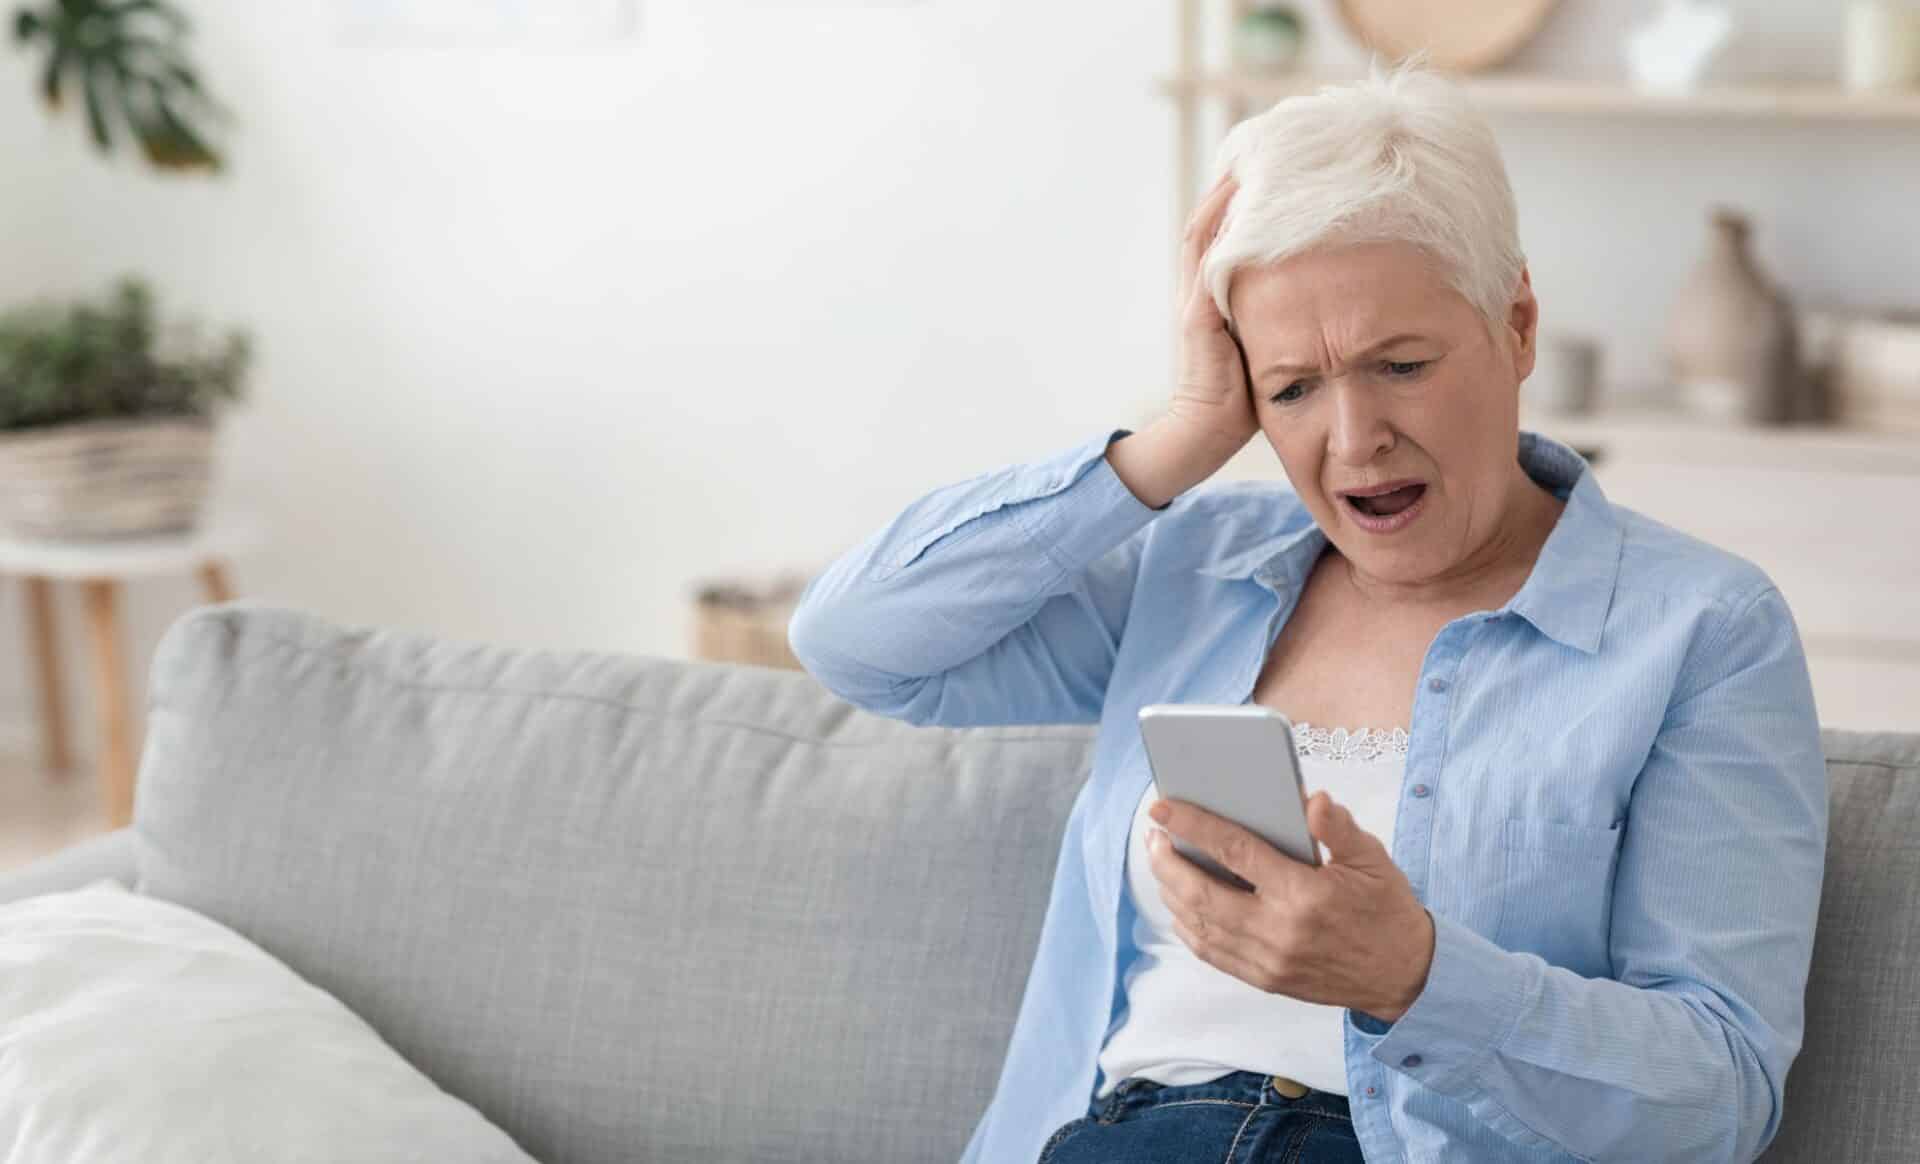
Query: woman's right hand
x=1211 y=399
x=1210 y=417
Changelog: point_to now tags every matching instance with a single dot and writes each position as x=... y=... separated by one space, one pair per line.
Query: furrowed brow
x=1371 y=349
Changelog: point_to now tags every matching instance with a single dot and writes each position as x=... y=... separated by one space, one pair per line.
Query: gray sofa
x=648 y=910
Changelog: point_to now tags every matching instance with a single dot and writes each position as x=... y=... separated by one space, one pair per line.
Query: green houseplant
x=126 y=58
x=106 y=421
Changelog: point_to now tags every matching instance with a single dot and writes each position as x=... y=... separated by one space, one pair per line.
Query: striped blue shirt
x=1621 y=835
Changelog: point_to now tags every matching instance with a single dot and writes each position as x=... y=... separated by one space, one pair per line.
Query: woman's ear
x=1524 y=319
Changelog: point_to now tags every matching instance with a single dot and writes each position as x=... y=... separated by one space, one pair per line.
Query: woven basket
x=746 y=622
x=105 y=478
x=734 y=636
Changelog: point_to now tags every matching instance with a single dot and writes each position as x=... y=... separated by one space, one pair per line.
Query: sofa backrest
x=1849 y=1094
x=631 y=909
x=645 y=909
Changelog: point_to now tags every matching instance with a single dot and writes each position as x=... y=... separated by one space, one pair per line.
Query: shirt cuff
x=1103 y=511
x=1474 y=995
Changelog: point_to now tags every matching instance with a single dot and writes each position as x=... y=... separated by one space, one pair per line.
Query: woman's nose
x=1360 y=431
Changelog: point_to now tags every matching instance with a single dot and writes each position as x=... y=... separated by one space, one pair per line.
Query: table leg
x=110 y=684
x=45 y=636
x=213 y=576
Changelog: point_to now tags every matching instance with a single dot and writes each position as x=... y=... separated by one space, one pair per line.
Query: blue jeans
x=1236 y=1119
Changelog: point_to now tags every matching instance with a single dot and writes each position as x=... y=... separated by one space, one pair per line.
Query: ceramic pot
x=1882 y=46
x=1731 y=346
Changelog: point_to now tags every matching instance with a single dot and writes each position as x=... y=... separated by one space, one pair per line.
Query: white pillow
x=132 y=1029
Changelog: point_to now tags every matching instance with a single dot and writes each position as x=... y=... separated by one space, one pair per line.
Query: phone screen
x=1236 y=761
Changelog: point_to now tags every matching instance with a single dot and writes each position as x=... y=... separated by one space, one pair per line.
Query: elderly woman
x=1574 y=811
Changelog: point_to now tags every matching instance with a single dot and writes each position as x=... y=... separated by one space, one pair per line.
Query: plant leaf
x=54 y=74
x=128 y=58
x=165 y=13
x=170 y=143
x=126 y=44
x=183 y=78
x=98 y=77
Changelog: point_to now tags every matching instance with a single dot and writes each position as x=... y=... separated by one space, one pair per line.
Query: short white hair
x=1399 y=157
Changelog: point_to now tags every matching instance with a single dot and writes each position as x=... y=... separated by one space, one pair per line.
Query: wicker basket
x=105 y=478
x=746 y=623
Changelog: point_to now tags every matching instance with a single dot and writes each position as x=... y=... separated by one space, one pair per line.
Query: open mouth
x=1388 y=503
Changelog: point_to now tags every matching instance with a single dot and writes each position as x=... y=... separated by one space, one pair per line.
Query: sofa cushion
x=133 y=1029
x=629 y=908
x=1849 y=1093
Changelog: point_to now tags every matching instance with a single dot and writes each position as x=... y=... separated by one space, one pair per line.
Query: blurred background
x=604 y=323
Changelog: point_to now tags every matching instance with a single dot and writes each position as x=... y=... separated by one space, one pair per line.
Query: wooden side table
x=100 y=567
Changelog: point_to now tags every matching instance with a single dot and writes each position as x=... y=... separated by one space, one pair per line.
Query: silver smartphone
x=1235 y=761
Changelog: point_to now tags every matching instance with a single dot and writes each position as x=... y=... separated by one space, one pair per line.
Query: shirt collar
x=1568 y=592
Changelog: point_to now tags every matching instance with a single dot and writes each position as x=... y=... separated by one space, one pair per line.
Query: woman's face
x=1367 y=369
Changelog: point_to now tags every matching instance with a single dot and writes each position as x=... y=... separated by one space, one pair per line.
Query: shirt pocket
x=1557 y=892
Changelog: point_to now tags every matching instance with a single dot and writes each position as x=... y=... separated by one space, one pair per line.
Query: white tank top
x=1189 y=1022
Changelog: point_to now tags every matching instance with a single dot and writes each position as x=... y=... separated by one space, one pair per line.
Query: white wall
x=546 y=334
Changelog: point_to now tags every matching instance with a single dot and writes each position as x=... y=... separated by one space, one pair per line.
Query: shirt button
x=1421 y=791
x=1436 y=685
x=1411 y=1061
x=1372 y=1091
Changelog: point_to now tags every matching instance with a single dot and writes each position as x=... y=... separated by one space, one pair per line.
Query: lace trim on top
x=1342 y=745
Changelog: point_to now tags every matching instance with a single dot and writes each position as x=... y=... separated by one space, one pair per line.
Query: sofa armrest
x=114 y=855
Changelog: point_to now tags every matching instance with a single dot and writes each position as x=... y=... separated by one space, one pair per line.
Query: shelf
x=1524 y=94
x=1649 y=435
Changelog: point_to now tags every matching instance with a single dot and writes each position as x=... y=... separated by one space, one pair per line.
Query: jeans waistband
x=1248 y=1087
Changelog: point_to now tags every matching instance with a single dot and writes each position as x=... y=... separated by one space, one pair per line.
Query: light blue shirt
x=1614 y=806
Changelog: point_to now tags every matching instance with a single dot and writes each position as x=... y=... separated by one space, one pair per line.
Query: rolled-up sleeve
x=996 y=600
x=1683 y=1053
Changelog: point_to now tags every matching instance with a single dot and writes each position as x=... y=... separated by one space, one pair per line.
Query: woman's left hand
x=1348 y=933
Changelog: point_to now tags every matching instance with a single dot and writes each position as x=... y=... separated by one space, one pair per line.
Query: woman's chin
x=1391 y=559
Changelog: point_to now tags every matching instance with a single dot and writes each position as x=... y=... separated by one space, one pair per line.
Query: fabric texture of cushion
x=1850 y=1092
x=135 y=1029
x=629 y=908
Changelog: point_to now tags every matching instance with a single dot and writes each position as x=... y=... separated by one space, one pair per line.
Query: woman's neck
x=1486 y=578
